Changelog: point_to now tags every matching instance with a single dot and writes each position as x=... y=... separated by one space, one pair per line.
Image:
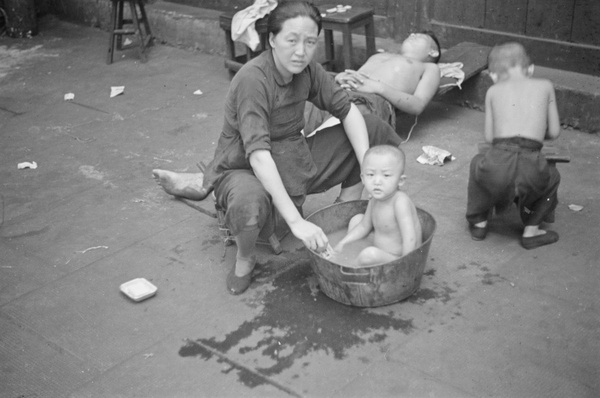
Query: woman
x=262 y=159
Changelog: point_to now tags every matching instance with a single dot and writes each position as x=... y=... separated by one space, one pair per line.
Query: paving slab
x=490 y=318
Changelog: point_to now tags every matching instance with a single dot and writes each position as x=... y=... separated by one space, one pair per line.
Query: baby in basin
x=390 y=215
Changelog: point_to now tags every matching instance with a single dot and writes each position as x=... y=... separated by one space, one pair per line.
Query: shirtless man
x=406 y=81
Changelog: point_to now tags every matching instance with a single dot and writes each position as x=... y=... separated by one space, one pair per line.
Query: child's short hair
x=505 y=56
x=430 y=33
x=379 y=150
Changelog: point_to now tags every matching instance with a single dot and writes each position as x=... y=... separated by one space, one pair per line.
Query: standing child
x=520 y=112
x=391 y=215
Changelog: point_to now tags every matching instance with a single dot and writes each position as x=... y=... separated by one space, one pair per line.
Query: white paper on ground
x=116 y=90
x=27 y=165
x=434 y=156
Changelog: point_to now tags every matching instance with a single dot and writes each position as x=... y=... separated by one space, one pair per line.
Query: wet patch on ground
x=295 y=321
x=443 y=294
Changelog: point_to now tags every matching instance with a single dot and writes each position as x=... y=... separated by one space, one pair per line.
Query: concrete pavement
x=490 y=319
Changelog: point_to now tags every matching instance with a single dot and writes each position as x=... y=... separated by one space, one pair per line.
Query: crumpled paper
x=434 y=156
x=116 y=90
x=27 y=165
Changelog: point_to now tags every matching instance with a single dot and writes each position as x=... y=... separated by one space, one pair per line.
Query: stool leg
x=120 y=23
x=145 y=20
x=264 y=40
x=347 y=48
x=329 y=49
x=111 y=35
x=370 y=35
x=230 y=45
x=231 y=51
x=138 y=30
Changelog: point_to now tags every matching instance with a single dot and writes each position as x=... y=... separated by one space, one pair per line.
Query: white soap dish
x=138 y=289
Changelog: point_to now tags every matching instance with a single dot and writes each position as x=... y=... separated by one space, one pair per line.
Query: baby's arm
x=359 y=231
x=403 y=209
x=553 y=119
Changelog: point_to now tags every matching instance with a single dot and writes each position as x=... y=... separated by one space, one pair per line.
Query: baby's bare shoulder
x=402 y=201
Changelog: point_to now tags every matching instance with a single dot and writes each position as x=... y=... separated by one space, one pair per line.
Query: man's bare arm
x=415 y=103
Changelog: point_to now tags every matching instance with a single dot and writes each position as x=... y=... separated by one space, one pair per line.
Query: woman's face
x=294 y=46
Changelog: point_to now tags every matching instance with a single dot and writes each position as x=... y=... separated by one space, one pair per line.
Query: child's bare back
x=522 y=107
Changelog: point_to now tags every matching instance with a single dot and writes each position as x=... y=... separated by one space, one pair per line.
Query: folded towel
x=453 y=70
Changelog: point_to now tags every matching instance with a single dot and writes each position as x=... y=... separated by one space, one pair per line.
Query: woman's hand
x=310 y=234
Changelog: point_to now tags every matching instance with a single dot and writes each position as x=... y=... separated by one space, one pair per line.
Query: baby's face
x=382 y=176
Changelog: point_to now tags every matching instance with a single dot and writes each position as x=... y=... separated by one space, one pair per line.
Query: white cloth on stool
x=242 y=24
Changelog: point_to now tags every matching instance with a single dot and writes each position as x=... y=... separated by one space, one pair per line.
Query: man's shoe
x=478 y=233
x=539 y=240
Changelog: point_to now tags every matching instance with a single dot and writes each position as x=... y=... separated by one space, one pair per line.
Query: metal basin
x=374 y=285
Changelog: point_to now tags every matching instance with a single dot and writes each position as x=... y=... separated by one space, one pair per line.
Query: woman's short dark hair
x=291 y=9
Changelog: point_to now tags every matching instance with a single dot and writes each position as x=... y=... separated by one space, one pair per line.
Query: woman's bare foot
x=183 y=185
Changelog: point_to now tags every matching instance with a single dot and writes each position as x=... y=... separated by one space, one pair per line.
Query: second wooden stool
x=137 y=24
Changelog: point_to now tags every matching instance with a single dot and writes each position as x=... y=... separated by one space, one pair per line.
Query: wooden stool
x=235 y=62
x=345 y=22
x=117 y=30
